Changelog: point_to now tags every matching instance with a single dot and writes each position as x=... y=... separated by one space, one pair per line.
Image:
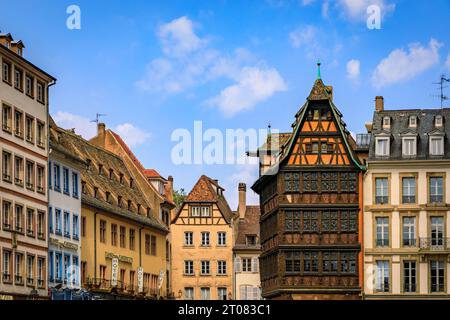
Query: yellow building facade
x=202 y=242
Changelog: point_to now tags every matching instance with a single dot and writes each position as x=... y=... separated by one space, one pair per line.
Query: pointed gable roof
x=205 y=190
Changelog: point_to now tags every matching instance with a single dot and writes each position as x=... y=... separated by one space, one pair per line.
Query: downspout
x=95 y=245
x=140 y=246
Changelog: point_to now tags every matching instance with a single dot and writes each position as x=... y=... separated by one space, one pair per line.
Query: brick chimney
x=379 y=103
x=242 y=206
x=170 y=186
x=101 y=134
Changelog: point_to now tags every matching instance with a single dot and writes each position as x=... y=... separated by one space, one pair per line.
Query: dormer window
x=131 y=182
x=138 y=208
x=386 y=122
x=121 y=178
x=83 y=187
x=107 y=196
x=100 y=169
x=129 y=205
x=409 y=146
x=96 y=192
x=119 y=201
x=438 y=121
x=149 y=212
x=436 y=146
x=412 y=121
x=111 y=174
x=382 y=146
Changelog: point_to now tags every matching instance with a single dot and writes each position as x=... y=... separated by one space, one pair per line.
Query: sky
x=156 y=67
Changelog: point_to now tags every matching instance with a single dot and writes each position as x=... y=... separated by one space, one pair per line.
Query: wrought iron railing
x=435 y=244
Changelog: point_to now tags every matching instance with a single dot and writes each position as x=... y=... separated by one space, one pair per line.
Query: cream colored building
x=407 y=205
x=202 y=242
x=246 y=250
x=23 y=182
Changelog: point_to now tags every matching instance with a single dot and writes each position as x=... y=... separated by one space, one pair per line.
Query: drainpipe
x=140 y=246
x=95 y=245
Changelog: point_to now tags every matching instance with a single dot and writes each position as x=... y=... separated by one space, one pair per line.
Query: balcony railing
x=434 y=244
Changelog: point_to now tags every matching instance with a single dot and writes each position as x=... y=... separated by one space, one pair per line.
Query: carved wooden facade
x=311 y=208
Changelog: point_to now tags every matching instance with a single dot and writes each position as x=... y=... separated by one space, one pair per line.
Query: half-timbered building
x=310 y=198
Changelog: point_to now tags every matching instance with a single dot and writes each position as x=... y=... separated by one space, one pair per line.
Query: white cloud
x=178 y=37
x=189 y=61
x=447 y=63
x=82 y=126
x=253 y=85
x=132 y=135
x=401 y=65
x=303 y=36
x=357 y=9
x=353 y=69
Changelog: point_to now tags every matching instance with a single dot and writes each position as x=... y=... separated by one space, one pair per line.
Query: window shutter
x=255 y=265
x=243 y=293
x=255 y=293
x=237 y=264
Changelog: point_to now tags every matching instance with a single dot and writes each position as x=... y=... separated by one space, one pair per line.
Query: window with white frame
x=221 y=267
x=436 y=146
x=205 y=293
x=221 y=238
x=382 y=231
x=386 y=122
x=438 y=121
x=409 y=276
x=382 y=146
x=188 y=238
x=205 y=267
x=250 y=292
x=412 y=121
x=188 y=267
x=204 y=211
x=205 y=239
x=189 y=293
x=382 y=279
x=409 y=146
x=222 y=293
x=409 y=231
x=195 y=211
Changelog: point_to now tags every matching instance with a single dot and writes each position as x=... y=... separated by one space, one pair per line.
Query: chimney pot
x=101 y=127
x=242 y=206
x=379 y=103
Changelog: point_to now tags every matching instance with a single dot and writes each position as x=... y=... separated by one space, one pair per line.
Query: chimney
x=379 y=103
x=242 y=206
x=101 y=128
x=170 y=185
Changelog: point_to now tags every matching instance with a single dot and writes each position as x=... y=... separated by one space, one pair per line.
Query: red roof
x=151 y=173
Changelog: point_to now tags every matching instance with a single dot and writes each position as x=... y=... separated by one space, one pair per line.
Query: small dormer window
x=436 y=146
x=438 y=121
x=96 y=192
x=107 y=196
x=138 y=208
x=119 y=201
x=386 y=122
x=111 y=174
x=149 y=212
x=121 y=178
x=131 y=182
x=83 y=187
x=382 y=146
x=409 y=146
x=129 y=204
x=100 y=169
x=412 y=121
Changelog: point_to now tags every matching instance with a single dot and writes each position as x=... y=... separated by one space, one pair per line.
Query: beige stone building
x=202 y=240
x=24 y=91
x=406 y=205
x=246 y=250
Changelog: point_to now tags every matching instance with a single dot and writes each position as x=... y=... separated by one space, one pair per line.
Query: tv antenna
x=97 y=117
x=442 y=86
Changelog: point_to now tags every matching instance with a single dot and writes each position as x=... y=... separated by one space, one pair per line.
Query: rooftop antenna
x=441 y=88
x=97 y=117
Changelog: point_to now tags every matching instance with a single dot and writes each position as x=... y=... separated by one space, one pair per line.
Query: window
x=147 y=244
x=18 y=79
x=41 y=225
x=310 y=261
x=409 y=146
x=6 y=266
x=248 y=264
x=66 y=262
x=386 y=122
x=189 y=293
x=40 y=92
x=6 y=118
x=438 y=121
x=40 y=179
x=189 y=267
x=221 y=267
x=114 y=234
x=205 y=293
x=57 y=177
x=6 y=166
x=412 y=121
x=18 y=264
x=123 y=234
x=409 y=231
x=330 y=262
x=66 y=224
x=188 y=238
x=18 y=171
x=205 y=268
x=83 y=226
x=30 y=222
x=436 y=191
x=18 y=123
x=75 y=226
x=409 y=276
x=292 y=221
x=250 y=293
x=132 y=237
x=40 y=134
x=382 y=231
x=250 y=240
x=408 y=190
x=221 y=238
x=103 y=272
x=205 y=211
x=382 y=146
x=29 y=129
x=222 y=293
x=436 y=146
x=382 y=279
x=50 y=219
x=437 y=231
x=7 y=71
x=153 y=246
x=437 y=275
x=102 y=231
x=205 y=239
x=348 y=262
x=40 y=272
x=6 y=219
x=29 y=175
x=74 y=273
x=58 y=222
x=66 y=180
x=381 y=191
x=19 y=218
x=29 y=85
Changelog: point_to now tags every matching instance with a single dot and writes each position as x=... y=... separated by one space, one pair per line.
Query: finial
x=269 y=126
x=318 y=70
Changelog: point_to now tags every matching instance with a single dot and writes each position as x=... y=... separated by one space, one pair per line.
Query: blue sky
x=156 y=66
